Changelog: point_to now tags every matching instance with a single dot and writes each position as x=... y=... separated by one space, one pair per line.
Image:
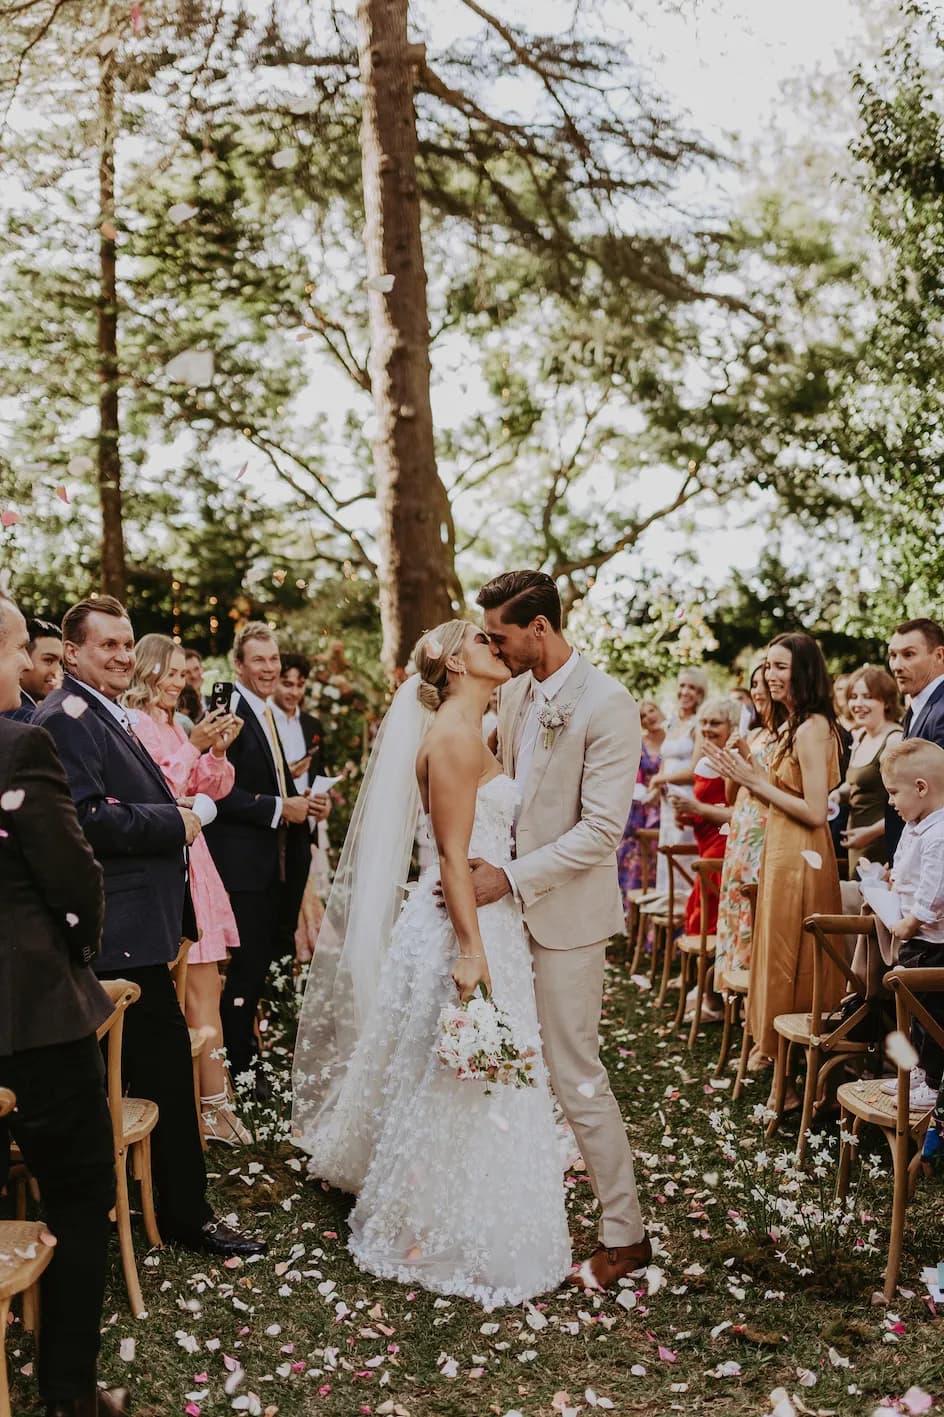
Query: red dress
x=708 y=787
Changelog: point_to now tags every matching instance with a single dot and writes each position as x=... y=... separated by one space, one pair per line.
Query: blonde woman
x=677 y=770
x=190 y=766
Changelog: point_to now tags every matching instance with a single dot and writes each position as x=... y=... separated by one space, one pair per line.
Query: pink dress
x=188 y=771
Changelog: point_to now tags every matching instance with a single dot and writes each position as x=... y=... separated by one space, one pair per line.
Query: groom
x=569 y=735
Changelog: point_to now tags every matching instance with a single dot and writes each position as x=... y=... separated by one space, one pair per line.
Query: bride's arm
x=454 y=765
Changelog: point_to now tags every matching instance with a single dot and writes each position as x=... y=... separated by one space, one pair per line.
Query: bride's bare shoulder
x=452 y=745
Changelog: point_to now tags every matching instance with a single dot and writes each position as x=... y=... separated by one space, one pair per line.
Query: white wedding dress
x=457 y=1191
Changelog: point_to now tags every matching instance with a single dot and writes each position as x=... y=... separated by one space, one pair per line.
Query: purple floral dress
x=642 y=815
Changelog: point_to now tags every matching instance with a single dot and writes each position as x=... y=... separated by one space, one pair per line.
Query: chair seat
x=23 y=1256
x=138 y=1118
x=868 y=1101
x=735 y=981
x=798 y=1029
x=691 y=944
x=639 y=895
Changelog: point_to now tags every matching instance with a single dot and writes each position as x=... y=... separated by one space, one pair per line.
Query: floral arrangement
x=552 y=718
x=477 y=1042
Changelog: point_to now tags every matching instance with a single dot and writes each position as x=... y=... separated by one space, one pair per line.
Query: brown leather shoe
x=608 y=1265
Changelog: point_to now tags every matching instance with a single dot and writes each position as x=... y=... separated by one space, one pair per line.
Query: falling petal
x=384 y=283
x=137 y=19
x=73 y=706
x=813 y=859
x=109 y=230
x=285 y=157
x=587 y=1089
x=79 y=466
x=71 y=918
x=242 y=471
x=724 y=829
x=193 y=367
x=181 y=212
x=11 y=801
x=900 y=1051
x=63 y=495
x=9 y=518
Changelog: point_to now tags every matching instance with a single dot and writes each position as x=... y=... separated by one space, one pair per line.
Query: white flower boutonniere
x=552 y=718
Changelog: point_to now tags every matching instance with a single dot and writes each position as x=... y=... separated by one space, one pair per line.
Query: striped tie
x=276 y=751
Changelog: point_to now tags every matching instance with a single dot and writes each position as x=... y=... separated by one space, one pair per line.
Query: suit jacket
x=51 y=889
x=314 y=743
x=133 y=824
x=250 y=854
x=577 y=798
x=23 y=714
x=929 y=724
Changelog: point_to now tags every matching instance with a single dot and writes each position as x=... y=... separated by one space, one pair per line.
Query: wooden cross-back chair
x=903 y=1127
x=647 y=839
x=824 y=1048
x=674 y=914
x=23 y=1257
x=696 y=953
x=200 y=1038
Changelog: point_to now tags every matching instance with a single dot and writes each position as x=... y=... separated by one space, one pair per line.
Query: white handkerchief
x=205 y=808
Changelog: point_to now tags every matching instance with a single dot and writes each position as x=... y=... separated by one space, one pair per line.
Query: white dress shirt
x=116 y=710
x=540 y=694
x=293 y=740
x=918 y=702
x=259 y=707
x=918 y=874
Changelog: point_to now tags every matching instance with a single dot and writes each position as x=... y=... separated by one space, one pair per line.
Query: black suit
x=50 y=1006
x=314 y=744
x=264 y=869
x=137 y=833
x=929 y=724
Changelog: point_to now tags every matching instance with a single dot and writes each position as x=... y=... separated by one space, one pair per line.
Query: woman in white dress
x=458 y=1190
x=676 y=770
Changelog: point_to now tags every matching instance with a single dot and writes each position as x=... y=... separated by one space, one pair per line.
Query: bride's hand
x=468 y=972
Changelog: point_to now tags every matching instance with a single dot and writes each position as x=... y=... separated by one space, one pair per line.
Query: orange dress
x=789 y=890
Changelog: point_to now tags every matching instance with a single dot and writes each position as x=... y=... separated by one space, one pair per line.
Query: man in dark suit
x=139 y=835
x=916 y=660
x=45 y=669
x=259 y=840
x=50 y=1006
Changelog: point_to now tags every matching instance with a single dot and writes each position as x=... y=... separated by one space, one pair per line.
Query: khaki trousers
x=568 y=985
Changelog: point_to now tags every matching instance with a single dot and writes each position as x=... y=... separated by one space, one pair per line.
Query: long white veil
x=360 y=913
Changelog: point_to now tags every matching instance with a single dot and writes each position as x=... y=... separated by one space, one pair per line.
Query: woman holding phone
x=192 y=767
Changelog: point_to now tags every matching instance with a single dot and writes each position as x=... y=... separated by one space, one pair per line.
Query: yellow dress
x=790 y=889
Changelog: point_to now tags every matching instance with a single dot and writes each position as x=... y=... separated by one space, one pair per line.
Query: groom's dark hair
x=521 y=596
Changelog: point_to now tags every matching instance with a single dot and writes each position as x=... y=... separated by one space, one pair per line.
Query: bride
x=458 y=1190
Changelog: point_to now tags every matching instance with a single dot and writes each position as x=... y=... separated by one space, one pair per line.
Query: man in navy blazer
x=916 y=660
x=260 y=840
x=139 y=836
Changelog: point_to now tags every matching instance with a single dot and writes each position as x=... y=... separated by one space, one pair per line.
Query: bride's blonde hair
x=430 y=657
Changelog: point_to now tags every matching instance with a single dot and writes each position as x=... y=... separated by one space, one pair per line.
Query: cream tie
x=276 y=750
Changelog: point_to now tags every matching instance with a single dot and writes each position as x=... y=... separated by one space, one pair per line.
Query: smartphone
x=220 y=696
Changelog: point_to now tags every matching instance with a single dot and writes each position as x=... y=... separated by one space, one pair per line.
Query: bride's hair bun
x=430 y=657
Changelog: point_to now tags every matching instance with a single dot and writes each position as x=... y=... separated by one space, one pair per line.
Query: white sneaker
x=922 y=1097
x=919 y=1094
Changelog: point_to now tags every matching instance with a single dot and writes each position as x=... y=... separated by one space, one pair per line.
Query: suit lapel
x=249 y=716
x=127 y=740
x=511 y=705
x=916 y=727
x=569 y=695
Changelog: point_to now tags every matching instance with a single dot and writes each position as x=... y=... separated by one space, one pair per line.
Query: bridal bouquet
x=477 y=1041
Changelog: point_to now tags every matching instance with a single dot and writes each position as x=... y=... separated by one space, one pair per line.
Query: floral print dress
x=742 y=867
x=642 y=816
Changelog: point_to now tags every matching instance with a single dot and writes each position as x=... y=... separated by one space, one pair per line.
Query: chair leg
x=845 y=1155
x=142 y=1171
x=197 y=1102
x=640 y=942
x=683 y=960
x=810 y=1089
x=779 y=1085
x=899 y=1203
x=125 y=1243
x=31 y=1311
x=4 y=1389
x=730 y=1008
x=659 y=939
x=700 y=984
x=745 y=1051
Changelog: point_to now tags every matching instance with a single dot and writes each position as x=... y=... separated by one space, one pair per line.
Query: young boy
x=913 y=773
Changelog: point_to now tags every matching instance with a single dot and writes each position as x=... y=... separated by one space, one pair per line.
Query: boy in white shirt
x=913 y=773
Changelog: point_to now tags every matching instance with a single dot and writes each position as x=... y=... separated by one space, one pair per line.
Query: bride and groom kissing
x=459 y=1188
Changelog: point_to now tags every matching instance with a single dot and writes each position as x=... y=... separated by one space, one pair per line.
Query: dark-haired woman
x=873 y=702
x=798 y=873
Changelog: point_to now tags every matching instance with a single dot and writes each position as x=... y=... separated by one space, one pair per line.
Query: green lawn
x=727 y=1323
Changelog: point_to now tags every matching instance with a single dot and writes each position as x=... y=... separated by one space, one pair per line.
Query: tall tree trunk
x=418 y=586
x=114 y=579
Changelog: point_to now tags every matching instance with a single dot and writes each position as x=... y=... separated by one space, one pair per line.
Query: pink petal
x=667 y=1355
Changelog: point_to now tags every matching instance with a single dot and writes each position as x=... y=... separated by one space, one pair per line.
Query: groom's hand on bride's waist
x=489 y=883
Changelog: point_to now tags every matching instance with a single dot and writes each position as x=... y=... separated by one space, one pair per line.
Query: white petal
x=181 y=211
x=813 y=859
x=383 y=283
x=897 y=1046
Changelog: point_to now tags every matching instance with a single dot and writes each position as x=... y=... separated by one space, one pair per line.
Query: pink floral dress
x=188 y=771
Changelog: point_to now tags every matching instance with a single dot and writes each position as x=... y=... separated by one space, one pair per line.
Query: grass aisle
x=719 y=1323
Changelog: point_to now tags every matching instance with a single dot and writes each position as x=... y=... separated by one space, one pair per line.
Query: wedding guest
x=798 y=874
x=45 y=669
x=194 y=671
x=745 y=838
x=913 y=771
x=259 y=841
x=50 y=928
x=707 y=811
x=872 y=697
x=190 y=766
x=678 y=749
x=139 y=835
x=916 y=660
x=841 y=702
x=644 y=813
x=190 y=709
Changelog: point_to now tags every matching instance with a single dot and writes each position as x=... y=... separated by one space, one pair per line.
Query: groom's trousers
x=568 y=986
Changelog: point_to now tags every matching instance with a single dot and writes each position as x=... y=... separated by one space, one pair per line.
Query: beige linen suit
x=577 y=797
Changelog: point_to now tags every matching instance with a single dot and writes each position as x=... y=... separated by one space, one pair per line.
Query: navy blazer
x=314 y=744
x=930 y=725
x=244 y=844
x=133 y=825
x=51 y=889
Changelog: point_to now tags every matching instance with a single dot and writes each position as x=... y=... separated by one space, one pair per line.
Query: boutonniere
x=552 y=718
